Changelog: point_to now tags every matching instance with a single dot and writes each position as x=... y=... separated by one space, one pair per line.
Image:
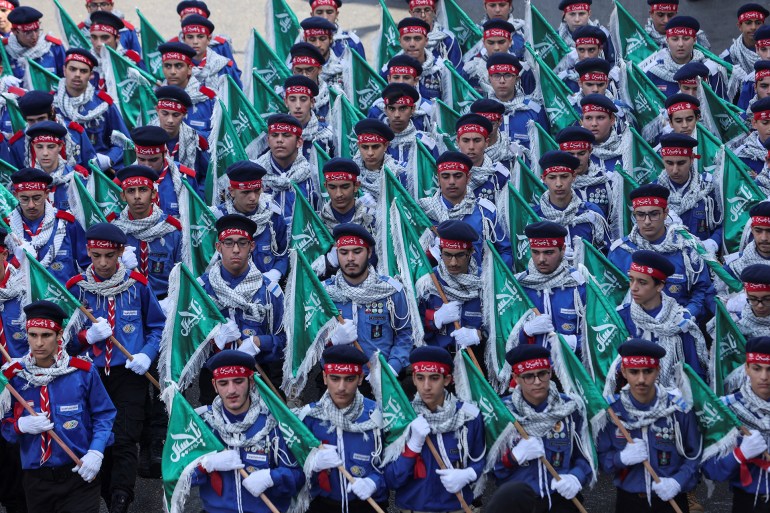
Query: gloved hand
x=326 y=458
x=273 y=275
x=229 y=459
x=91 y=462
x=568 y=486
x=332 y=257
x=753 y=445
x=447 y=314
x=539 y=325
x=140 y=364
x=249 y=347
x=34 y=425
x=634 y=453
x=363 y=488
x=258 y=482
x=104 y=161
x=18 y=251
x=227 y=333
x=667 y=488
x=129 y=257
x=736 y=303
x=419 y=429
x=100 y=330
x=529 y=449
x=345 y=333
x=465 y=337
x=571 y=341
x=455 y=479
x=165 y=305
x=711 y=246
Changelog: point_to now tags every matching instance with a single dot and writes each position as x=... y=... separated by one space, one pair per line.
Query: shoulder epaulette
x=82 y=25
x=80 y=364
x=616 y=243
x=141 y=278
x=74 y=281
x=221 y=40
x=64 y=215
x=173 y=221
x=105 y=97
x=395 y=284
x=174 y=39
x=203 y=143
x=487 y=204
x=208 y=92
x=186 y=170
x=80 y=169
x=18 y=91
x=74 y=125
x=133 y=55
x=10 y=371
x=5 y=41
x=128 y=25
x=53 y=40
x=18 y=135
x=230 y=63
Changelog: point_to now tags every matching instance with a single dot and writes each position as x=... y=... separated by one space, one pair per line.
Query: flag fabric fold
x=261 y=59
x=542 y=37
x=199 y=234
x=282 y=27
x=82 y=204
x=73 y=37
x=151 y=40
x=728 y=353
x=386 y=41
x=396 y=408
x=628 y=37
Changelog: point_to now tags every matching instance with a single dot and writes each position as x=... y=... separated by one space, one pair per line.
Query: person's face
x=599 y=123
x=76 y=76
x=170 y=121
x=245 y=202
x=535 y=385
x=176 y=72
x=414 y=45
x=323 y=43
x=456 y=261
x=680 y=48
x=641 y=383
x=32 y=203
x=43 y=344
x=99 y=6
x=651 y=221
x=759 y=377
x=678 y=169
x=497 y=45
x=154 y=162
x=576 y=19
x=236 y=253
x=762 y=126
x=453 y=185
x=504 y=85
x=33 y=120
x=342 y=194
x=473 y=145
x=342 y=388
x=5 y=25
x=684 y=121
x=764 y=53
x=105 y=261
x=234 y=393
x=593 y=87
x=587 y=51
x=412 y=80
x=354 y=261
x=747 y=29
x=547 y=259
x=283 y=145
x=198 y=42
x=425 y=13
x=498 y=10
x=311 y=72
x=139 y=199
x=326 y=11
x=584 y=156
x=47 y=155
x=759 y=303
x=372 y=154
x=761 y=236
x=645 y=291
x=431 y=387
x=660 y=19
x=99 y=39
x=27 y=38
x=399 y=116
x=692 y=90
x=559 y=186
x=762 y=88
x=300 y=106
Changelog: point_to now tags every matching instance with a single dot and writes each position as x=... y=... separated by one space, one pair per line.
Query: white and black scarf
x=370 y=290
x=502 y=149
x=261 y=216
x=233 y=434
x=752 y=148
x=43 y=376
x=749 y=256
x=661 y=38
x=208 y=74
x=280 y=181
x=240 y=297
x=609 y=149
x=111 y=287
x=361 y=215
x=70 y=106
x=44 y=234
x=436 y=210
x=752 y=410
x=345 y=419
x=187 y=144
x=570 y=217
x=404 y=140
x=482 y=174
x=447 y=418
x=370 y=180
x=152 y=227
x=685 y=198
x=457 y=287
x=662 y=65
x=743 y=57
x=19 y=54
x=515 y=104
x=540 y=423
x=751 y=325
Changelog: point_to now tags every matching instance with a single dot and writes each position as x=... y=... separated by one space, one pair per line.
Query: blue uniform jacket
x=13 y=328
x=696 y=219
x=285 y=199
x=470 y=317
x=167 y=197
x=496 y=183
x=516 y=123
x=401 y=153
x=582 y=230
x=52 y=61
x=199 y=116
x=344 y=39
x=80 y=409
x=671 y=88
x=202 y=158
x=77 y=134
x=164 y=253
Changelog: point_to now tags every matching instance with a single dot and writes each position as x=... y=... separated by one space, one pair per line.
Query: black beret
x=752 y=7
x=497 y=59
x=231 y=358
x=108 y=232
x=236 y=221
x=341 y=165
x=432 y=354
x=245 y=171
x=566 y=3
x=641 y=347
x=84 y=54
x=759 y=345
x=31 y=174
x=593 y=64
x=177 y=47
x=693 y=70
x=149 y=136
x=47 y=128
x=756 y=273
x=650 y=190
x=35 y=103
x=499 y=25
x=487 y=106
x=193 y=7
x=474 y=119
x=545 y=230
x=761 y=105
x=455 y=156
x=137 y=170
x=558 y=158
x=303 y=49
x=23 y=15
x=106 y=18
x=347 y=353
x=396 y=90
x=589 y=32
x=682 y=98
x=197 y=19
x=526 y=352
x=403 y=60
x=413 y=22
x=761 y=209
x=174 y=93
x=318 y=23
x=599 y=100
x=652 y=260
x=675 y=140
x=354 y=230
x=44 y=309
x=683 y=22
x=377 y=127
x=453 y=229
x=574 y=134
x=300 y=81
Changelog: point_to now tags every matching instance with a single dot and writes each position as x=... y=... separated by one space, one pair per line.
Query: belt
x=51 y=473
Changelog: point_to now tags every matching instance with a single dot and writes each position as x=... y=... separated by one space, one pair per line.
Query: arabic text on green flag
x=151 y=40
x=604 y=331
x=82 y=204
x=542 y=37
x=737 y=193
x=199 y=234
x=728 y=353
x=387 y=40
x=309 y=234
x=73 y=37
x=516 y=214
x=629 y=38
x=396 y=408
x=282 y=27
x=262 y=60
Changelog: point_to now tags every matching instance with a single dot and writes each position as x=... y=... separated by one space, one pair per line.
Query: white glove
x=272 y=275
x=18 y=251
x=455 y=479
x=539 y=325
x=345 y=333
x=753 y=445
x=332 y=257
x=249 y=347
x=326 y=458
x=529 y=449
x=447 y=314
x=104 y=161
x=229 y=459
x=227 y=333
x=140 y=364
x=736 y=303
x=568 y=486
x=363 y=488
x=634 y=453
x=667 y=488
x=465 y=337
x=711 y=246
x=571 y=341
x=419 y=429
x=258 y=482
x=129 y=257
x=100 y=330
x=34 y=425
x=164 y=305
x=91 y=462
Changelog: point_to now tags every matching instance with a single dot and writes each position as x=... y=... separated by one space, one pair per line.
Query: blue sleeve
x=102 y=412
x=114 y=123
x=288 y=478
x=503 y=244
x=402 y=336
x=281 y=263
x=198 y=477
x=154 y=320
x=78 y=238
x=130 y=41
x=233 y=72
x=609 y=455
x=477 y=446
x=275 y=343
x=87 y=151
x=722 y=469
x=399 y=472
x=580 y=467
x=58 y=56
x=699 y=292
x=693 y=448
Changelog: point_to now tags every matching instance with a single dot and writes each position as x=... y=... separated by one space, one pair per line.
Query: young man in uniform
x=26 y=42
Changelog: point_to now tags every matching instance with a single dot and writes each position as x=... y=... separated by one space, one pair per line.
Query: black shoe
x=119 y=502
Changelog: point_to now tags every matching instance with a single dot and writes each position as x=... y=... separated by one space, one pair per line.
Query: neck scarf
x=241 y=296
x=14 y=286
x=278 y=180
x=42 y=376
x=515 y=104
x=457 y=287
x=435 y=208
x=361 y=215
x=683 y=199
x=212 y=64
x=594 y=176
x=345 y=419
x=112 y=287
x=49 y=227
x=673 y=242
x=667 y=401
x=187 y=145
x=749 y=256
x=664 y=66
x=610 y=148
x=763 y=180
x=447 y=418
x=70 y=106
x=193 y=88
x=657 y=36
x=261 y=216
x=323 y=98
x=233 y=434
x=562 y=277
x=405 y=138
x=148 y=229
x=502 y=150
x=481 y=174
x=751 y=325
x=20 y=54
x=333 y=69
x=743 y=57
x=752 y=148
x=370 y=290
x=541 y=423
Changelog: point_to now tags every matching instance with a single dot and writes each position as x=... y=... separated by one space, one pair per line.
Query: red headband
x=102 y=244
x=454 y=244
x=587 y=41
x=649 y=201
x=43 y=323
x=494 y=117
x=756 y=287
x=758 y=358
x=30 y=186
x=420 y=3
x=6 y=5
x=751 y=15
x=649 y=271
x=760 y=221
x=575 y=146
x=452 y=166
x=318 y=3
x=594 y=76
x=671 y=151
x=413 y=29
x=340 y=176
x=765 y=114
x=149 y=151
x=403 y=70
x=759 y=75
x=664 y=8
x=176 y=56
x=298 y=90
x=371 y=139
x=101 y=27
x=531 y=365
x=46 y=139
x=431 y=367
x=195 y=29
x=351 y=240
x=640 y=362
x=502 y=68
x=284 y=128
x=762 y=43
x=305 y=60
x=553 y=242
x=590 y=107
x=79 y=58
x=691 y=81
x=252 y=185
x=317 y=32
x=171 y=105
x=192 y=10
x=577 y=7
x=343 y=368
x=677 y=107
x=228 y=232
x=28 y=27
x=232 y=371
x=558 y=169
x=681 y=31
x=472 y=128
x=136 y=181
x=497 y=32
x=402 y=100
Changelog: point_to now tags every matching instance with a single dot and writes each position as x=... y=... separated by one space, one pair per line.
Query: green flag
x=310 y=317
x=41 y=285
x=130 y=87
x=318 y=158
x=425 y=178
x=187 y=441
x=38 y=78
x=412 y=261
x=396 y=408
x=387 y=39
x=720 y=116
x=630 y=40
x=714 y=57
x=249 y=125
x=506 y=309
x=105 y=192
x=737 y=193
x=7 y=202
x=17 y=118
x=264 y=98
x=5 y=396
x=309 y=234
x=363 y=85
x=344 y=118
x=82 y=204
x=555 y=95
x=540 y=142
x=193 y=322
x=640 y=161
x=646 y=100
x=621 y=209
x=226 y=148
x=708 y=148
x=282 y=27
x=151 y=40
x=456 y=91
x=457 y=21
x=262 y=60
x=612 y=283
x=73 y=37
x=603 y=331
x=7 y=69
x=199 y=235
x=576 y=382
x=516 y=214
x=542 y=37
x=529 y=185
x=728 y=353
x=447 y=117
x=733 y=284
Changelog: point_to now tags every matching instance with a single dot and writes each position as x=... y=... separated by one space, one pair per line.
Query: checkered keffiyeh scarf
x=240 y=296
x=370 y=290
x=539 y=423
x=344 y=419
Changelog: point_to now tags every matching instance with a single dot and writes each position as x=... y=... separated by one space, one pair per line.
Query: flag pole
x=262 y=496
